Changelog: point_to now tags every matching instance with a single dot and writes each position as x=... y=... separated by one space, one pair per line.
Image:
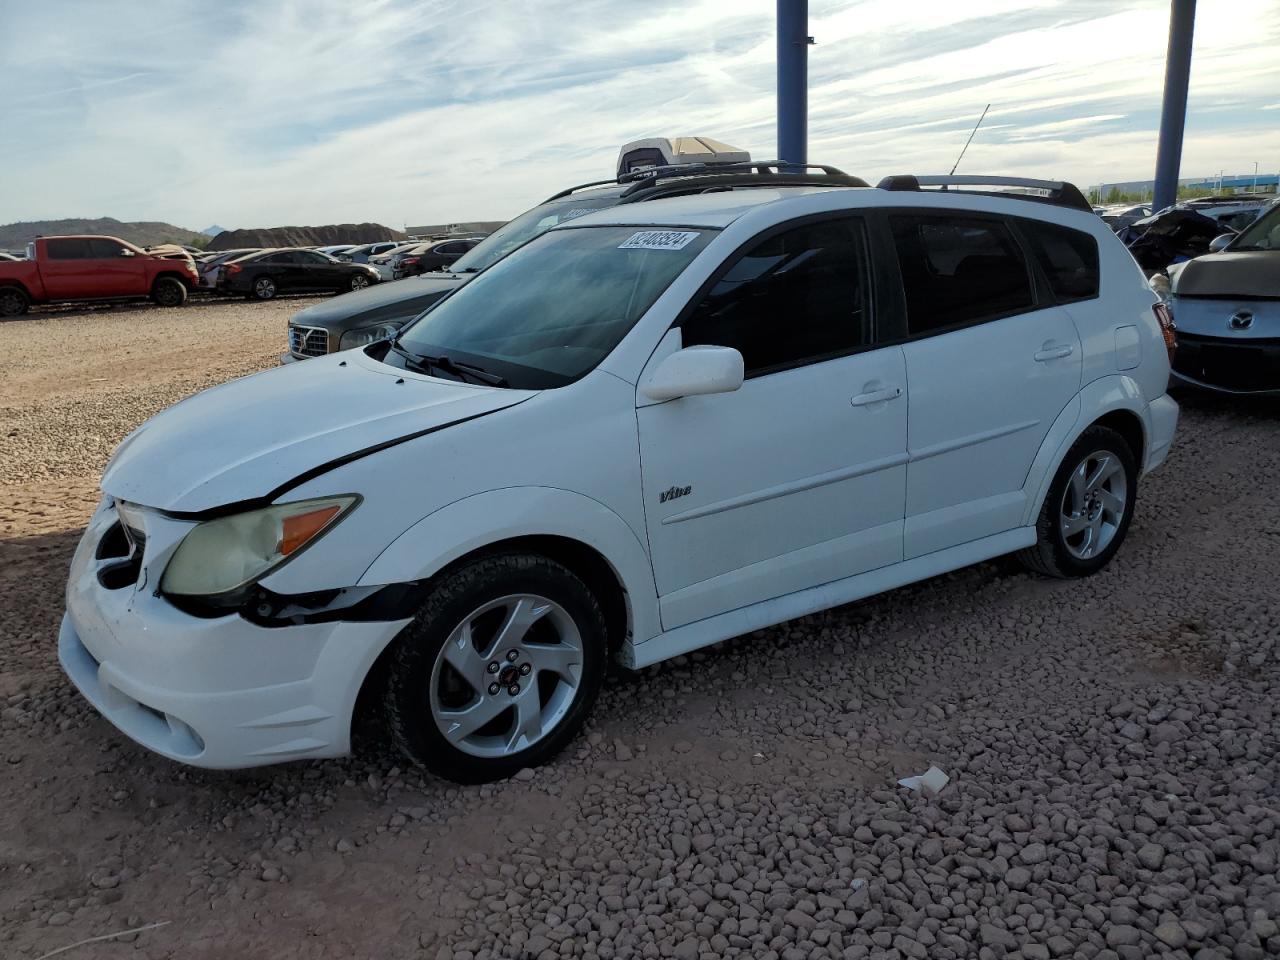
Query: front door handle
x=1051 y=352
x=876 y=396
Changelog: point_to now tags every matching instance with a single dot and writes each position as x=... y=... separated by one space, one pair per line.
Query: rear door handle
x=876 y=396
x=1053 y=353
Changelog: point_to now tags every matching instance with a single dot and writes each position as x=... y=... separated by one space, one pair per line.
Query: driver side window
x=798 y=296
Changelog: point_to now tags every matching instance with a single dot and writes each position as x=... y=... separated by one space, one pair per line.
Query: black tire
x=1052 y=554
x=454 y=599
x=264 y=288
x=358 y=281
x=168 y=292
x=13 y=302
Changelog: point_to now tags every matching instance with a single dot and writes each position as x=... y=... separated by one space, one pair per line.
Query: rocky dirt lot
x=1112 y=744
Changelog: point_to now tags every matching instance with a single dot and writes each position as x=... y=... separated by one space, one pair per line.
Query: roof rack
x=767 y=171
x=1060 y=193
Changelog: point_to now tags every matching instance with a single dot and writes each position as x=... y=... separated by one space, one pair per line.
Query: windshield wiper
x=423 y=364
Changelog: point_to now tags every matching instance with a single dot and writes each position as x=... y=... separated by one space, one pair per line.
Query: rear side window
x=1069 y=258
x=69 y=249
x=798 y=296
x=959 y=270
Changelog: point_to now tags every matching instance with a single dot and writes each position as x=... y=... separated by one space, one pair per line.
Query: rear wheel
x=13 y=302
x=498 y=670
x=168 y=292
x=264 y=288
x=1087 y=511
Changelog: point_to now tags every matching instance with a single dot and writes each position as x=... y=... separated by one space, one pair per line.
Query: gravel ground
x=1112 y=746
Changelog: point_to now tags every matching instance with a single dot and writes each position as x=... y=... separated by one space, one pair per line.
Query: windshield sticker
x=658 y=240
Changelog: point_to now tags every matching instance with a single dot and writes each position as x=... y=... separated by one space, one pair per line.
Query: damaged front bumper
x=218 y=692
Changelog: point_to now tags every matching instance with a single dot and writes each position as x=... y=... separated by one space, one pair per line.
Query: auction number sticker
x=658 y=240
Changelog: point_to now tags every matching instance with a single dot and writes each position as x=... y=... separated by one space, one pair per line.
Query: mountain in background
x=333 y=233
x=15 y=236
x=213 y=231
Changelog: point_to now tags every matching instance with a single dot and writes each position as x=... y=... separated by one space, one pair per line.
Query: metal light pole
x=1173 y=115
x=793 y=81
x=1255 y=177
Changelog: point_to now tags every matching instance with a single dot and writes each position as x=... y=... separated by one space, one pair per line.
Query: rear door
x=118 y=270
x=991 y=362
x=797 y=478
x=66 y=269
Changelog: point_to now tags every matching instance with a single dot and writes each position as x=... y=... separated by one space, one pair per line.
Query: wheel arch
x=170 y=275
x=591 y=540
x=582 y=533
x=19 y=285
x=1115 y=401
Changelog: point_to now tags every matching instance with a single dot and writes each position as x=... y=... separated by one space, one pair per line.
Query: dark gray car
x=360 y=318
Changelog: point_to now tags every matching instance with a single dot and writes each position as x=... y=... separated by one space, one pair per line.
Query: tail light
x=1164 y=316
x=232 y=268
x=408 y=261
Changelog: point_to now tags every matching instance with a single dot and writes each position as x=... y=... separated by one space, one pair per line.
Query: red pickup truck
x=91 y=268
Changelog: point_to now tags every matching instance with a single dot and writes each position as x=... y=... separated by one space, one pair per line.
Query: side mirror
x=1218 y=244
x=695 y=371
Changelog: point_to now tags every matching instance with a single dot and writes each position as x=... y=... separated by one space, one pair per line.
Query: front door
x=120 y=272
x=797 y=478
x=991 y=362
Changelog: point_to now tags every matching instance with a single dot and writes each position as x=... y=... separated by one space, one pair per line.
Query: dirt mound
x=333 y=233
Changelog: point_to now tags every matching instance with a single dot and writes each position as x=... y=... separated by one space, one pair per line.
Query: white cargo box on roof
x=661 y=152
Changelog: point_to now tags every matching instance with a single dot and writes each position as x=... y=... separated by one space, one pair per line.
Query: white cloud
x=301 y=111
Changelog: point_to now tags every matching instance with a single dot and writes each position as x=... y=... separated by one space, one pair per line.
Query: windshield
x=550 y=312
x=525 y=227
x=1262 y=234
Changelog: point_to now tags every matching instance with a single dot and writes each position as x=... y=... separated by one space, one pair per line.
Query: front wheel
x=13 y=302
x=498 y=670
x=264 y=288
x=169 y=292
x=359 y=281
x=1088 y=509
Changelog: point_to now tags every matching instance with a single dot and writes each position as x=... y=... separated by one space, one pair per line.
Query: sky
x=257 y=113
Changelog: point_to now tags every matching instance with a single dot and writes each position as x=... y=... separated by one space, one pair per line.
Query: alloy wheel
x=1093 y=504
x=506 y=675
x=359 y=282
x=264 y=288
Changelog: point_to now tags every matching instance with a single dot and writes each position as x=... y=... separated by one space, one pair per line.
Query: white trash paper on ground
x=931 y=781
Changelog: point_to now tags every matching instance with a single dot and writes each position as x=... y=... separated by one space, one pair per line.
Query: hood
x=247 y=438
x=1249 y=273
x=401 y=300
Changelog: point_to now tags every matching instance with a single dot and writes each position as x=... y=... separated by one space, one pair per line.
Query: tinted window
x=104 y=249
x=1068 y=258
x=307 y=256
x=278 y=258
x=559 y=304
x=69 y=249
x=958 y=270
x=798 y=296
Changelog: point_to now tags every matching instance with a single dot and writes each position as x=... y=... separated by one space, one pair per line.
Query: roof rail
x=779 y=171
x=1060 y=193
x=764 y=167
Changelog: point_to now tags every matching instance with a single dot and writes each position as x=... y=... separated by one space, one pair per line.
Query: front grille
x=1234 y=364
x=308 y=341
x=122 y=547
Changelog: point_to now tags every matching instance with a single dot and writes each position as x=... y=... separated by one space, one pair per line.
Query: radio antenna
x=970 y=140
